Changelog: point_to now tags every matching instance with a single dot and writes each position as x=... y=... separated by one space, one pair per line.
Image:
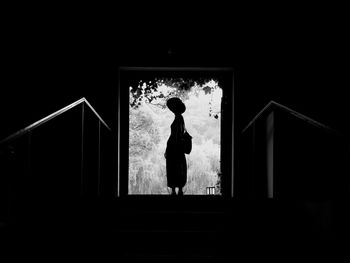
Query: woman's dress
x=176 y=166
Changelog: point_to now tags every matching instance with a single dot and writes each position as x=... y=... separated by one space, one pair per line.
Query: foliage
x=150 y=91
x=144 y=135
x=203 y=168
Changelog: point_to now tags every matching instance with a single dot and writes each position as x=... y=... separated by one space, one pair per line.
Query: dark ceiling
x=295 y=57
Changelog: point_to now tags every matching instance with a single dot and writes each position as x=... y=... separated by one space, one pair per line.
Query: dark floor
x=189 y=229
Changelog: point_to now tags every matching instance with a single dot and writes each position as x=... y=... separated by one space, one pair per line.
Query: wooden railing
x=52 y=116
x=62 y=157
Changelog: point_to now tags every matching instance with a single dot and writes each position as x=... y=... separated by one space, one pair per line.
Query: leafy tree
x=143 y=135
x=149 y=92
x=203 y=167
x=143 y=139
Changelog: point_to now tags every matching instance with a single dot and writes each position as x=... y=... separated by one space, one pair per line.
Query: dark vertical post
x=232 y=138
x=28 y=168
x=222 y=110
x=99 y=160
x=252 y=183
x=269 y=153
x=82 y=149
x=119 y=131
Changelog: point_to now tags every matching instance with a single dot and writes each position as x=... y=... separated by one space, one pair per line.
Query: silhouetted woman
x=176 y=166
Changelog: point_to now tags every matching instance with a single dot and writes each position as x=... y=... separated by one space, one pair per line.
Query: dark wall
x=295 y=56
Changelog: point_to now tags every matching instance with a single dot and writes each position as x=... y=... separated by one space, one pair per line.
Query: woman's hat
x=176 y=105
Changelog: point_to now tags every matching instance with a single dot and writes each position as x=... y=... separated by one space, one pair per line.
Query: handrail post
x=82 y=150
x=99 y=160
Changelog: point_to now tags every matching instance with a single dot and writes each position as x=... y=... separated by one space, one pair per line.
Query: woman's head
x=176 y=105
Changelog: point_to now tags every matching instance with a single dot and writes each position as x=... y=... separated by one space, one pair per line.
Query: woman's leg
x=180 y=191
x=173 y=192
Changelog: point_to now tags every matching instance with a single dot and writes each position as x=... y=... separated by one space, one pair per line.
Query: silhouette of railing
x=50 y=117
x=287 y=155
x=272 y=105
x=59 y=158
